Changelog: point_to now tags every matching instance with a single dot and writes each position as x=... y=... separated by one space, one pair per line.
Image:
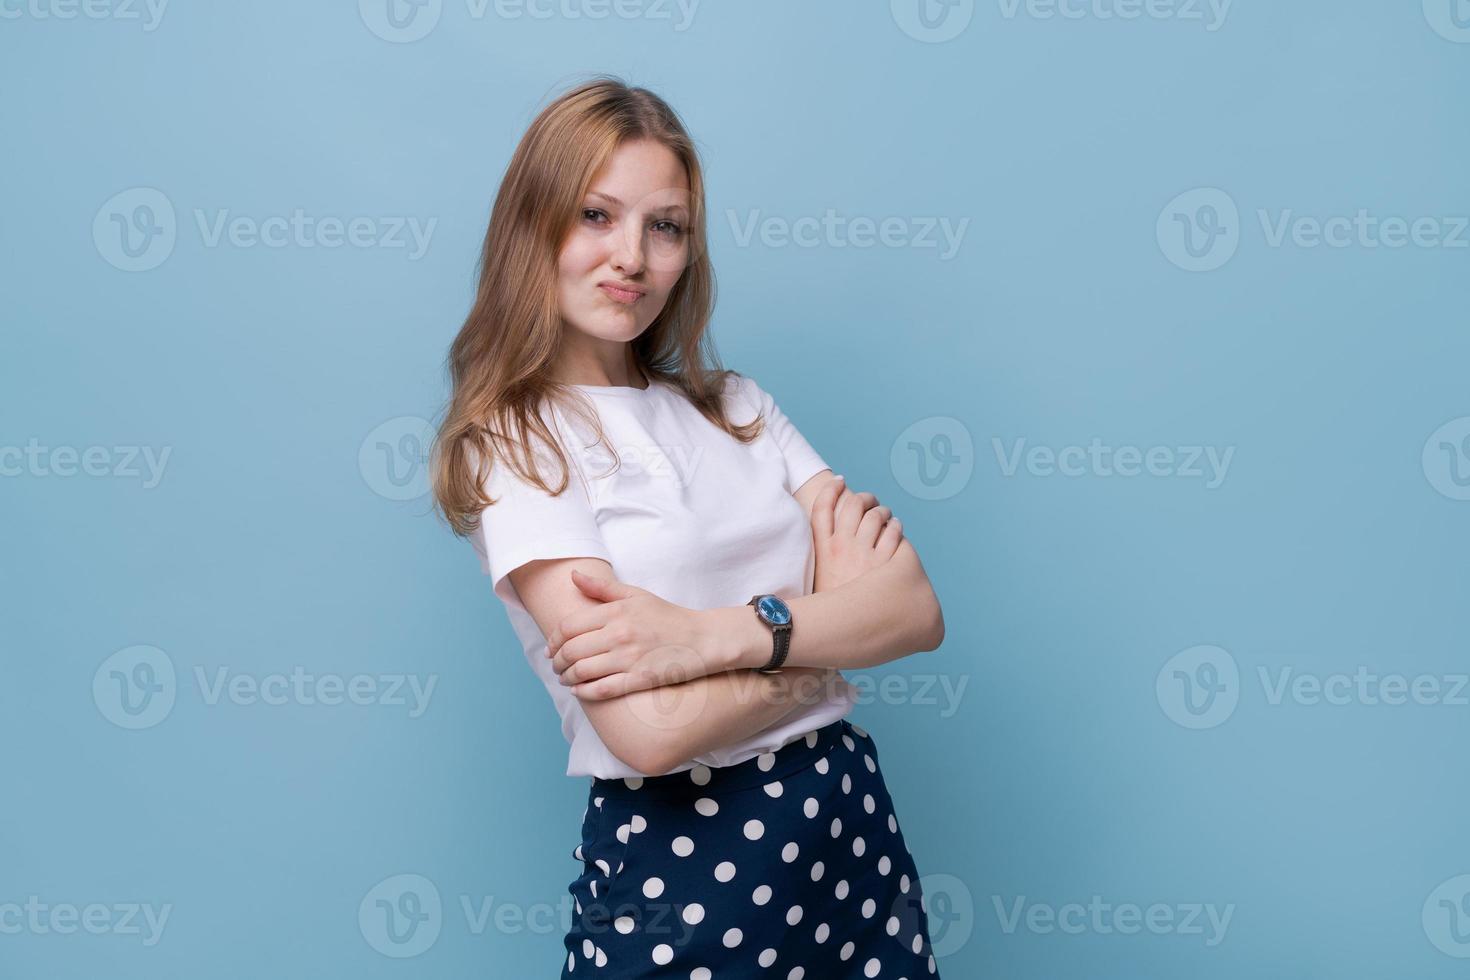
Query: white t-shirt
x=692 y=515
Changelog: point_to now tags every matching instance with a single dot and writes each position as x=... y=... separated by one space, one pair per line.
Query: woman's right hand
x=851 y=534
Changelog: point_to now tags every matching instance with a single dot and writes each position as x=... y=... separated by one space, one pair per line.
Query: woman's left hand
x=631 y=641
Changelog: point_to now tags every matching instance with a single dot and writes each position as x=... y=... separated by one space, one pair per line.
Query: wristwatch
x=770 y=610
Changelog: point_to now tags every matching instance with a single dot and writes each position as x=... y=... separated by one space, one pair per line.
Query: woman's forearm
x=679 y=722
x=882 y=615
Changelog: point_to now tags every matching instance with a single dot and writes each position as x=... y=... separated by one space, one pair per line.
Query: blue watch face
x=773 y=610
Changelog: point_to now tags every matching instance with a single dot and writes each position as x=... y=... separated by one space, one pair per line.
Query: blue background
x=1060 y=772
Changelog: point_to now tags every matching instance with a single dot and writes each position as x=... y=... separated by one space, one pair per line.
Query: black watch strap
x=780 y=642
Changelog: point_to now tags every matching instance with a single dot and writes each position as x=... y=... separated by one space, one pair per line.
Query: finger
x=591 y=668
x=850 y=511
x=576 y=623
x=889 y=540
x=871 y=524
x=822 y=507
x=606 y=589
x=611 y=686
x=580 y=647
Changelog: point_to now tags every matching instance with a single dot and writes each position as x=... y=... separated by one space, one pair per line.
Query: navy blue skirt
x=788 y=865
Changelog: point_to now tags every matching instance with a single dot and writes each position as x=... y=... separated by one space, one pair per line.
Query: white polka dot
x=811 y=739
x=706 y=806
x=903 y=884
x=598 y=802
x=571 y=961
x=588 y=950
x=578 y=853
x=653 y=887
x=869 y=907
x=931 y=962
x=918 y=943
x=623 y=832
x=663 y=953
x=821 y=766
x=601 y=957
x=823 y=932
x=868 y=802
x=724 y=871
x=789 y=852
x=847 y=741
x=761 y=895
x=884 y=865
x=694 y=913
x=868 y=761
x=700 y=973
x=633 y=782
x=841 y=890
x=604 y=867
x=858 y=847
x=773 y=790
x=836 y=826
x=858 y=728
x=683 y=846
x=871 y=968
x=893 y=927
x=892 y=824
x=817 y=870
x=754 y=829
x=767 y=957
x=846 y=783
x=700 y=775
x=793 y=915
x=796 y=973
x=623 y=924
x=765 y=761
x=732 y=938
x=639 y=824
x=810 y=807
x=847 y=949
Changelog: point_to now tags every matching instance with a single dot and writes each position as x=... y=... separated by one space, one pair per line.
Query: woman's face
x=630 y=232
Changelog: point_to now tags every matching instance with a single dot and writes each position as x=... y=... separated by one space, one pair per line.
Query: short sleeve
x=527 y=524
x=802 y=461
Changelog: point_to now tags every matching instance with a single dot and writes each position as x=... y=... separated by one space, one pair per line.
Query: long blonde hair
x=500 y=362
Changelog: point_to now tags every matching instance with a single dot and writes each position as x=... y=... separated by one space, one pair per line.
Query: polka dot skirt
x=790 y=866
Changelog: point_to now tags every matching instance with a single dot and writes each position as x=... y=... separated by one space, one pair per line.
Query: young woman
x=685 y=575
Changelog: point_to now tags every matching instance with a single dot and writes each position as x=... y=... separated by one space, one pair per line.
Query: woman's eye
x=669 y=228
x=592 y=214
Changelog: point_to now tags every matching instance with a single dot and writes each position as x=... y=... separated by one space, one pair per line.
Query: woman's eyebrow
x=613 y=200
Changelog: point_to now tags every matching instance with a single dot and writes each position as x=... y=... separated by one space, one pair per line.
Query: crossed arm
x=871 y=614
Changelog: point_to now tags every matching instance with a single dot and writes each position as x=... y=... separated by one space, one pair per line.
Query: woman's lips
x=626 y=296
